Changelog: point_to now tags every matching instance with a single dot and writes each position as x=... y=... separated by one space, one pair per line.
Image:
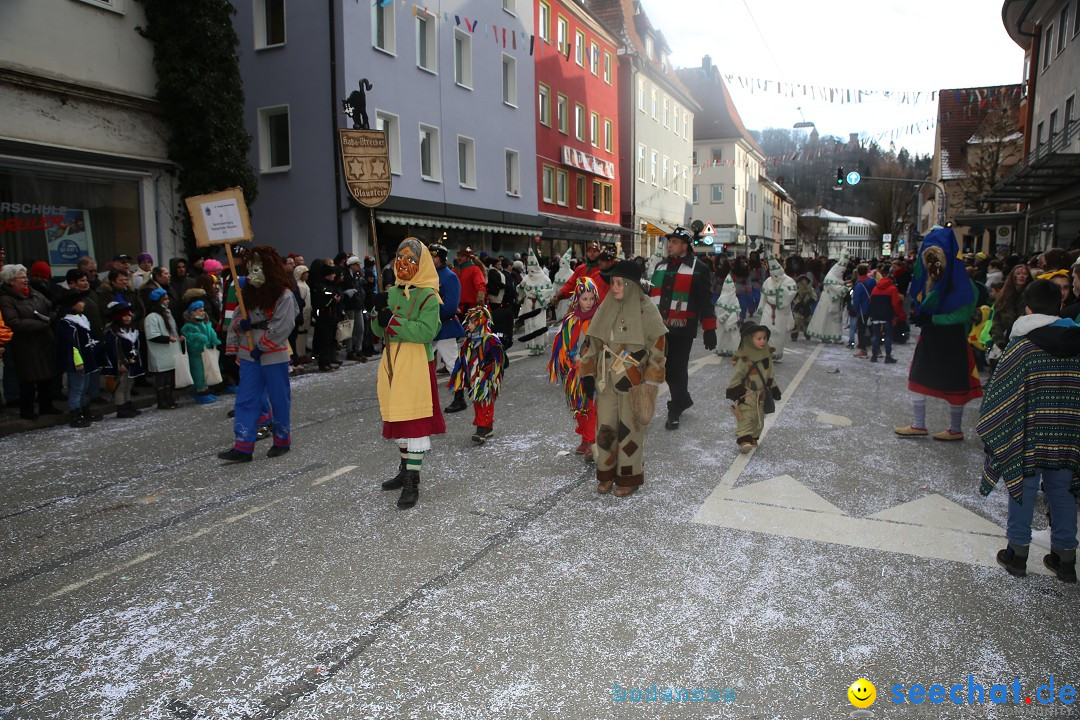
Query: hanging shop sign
x=588 y=163
x=365 y=157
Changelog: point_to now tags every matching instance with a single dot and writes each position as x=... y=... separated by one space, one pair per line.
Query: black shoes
x=397 y=481
x=873 y=358
x=1016 y=565
x=890 y=360
x=672 y=423
x=1065 y=571
x=459 y=403
x=410 y=490
x=78 y=420
x=276 y=451
x=234 y=455
x=482 y=434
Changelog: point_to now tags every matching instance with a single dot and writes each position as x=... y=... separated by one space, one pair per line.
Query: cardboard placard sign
x=219 y=218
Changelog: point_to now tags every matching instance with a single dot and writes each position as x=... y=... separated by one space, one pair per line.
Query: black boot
x=1063 y=563
x=125 y=411
x=78 y=420
x=92 y=417
x=459 y=403
x=410 y=489
x=395 y=482
x=170 y=394
x=1012 y=560
x=162 y=399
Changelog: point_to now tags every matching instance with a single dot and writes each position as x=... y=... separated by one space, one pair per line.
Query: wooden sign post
x=221 y=218
x=365 y=155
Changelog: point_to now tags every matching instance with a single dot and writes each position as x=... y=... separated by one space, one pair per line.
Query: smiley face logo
x=862 y=693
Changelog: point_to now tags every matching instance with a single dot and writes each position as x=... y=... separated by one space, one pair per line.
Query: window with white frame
x=607 y=67
x=1070 y=109
x=509 y=80
x=597 y=196
x=1053 y=126
x=466 y=155
x=685 y=181
x=427 y=52
x=562 y=188
x=463 y=58
x=609 y=194
x=1063 y=22
x=543 y=21
x=579 y=121
x=430 y=154
x=579 y=48
x=717 y=155
x=641 y=163
x=547 y=183
x=275 y=153
x=675 y=118
x=674 y=176
x=664 y=177
x=562 y=34
x=580 y=199
x=594 y=129
x=695 y=199
x=513 y=173
x=649 y=46
x=685 y=123
x=1048 y=49
x=717 y=194
x=654 y=166
x=609 y=142
x=384 y=28
x=641 y=94
x=655 y=104
x=543 y=102
x=510 y=6
x=562 y=113
x=667 y=113
x=391 y=125
x=116 y=6
x=269 y=23
x=594 y=59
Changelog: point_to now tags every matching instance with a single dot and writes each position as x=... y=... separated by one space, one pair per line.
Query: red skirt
x=420 y=427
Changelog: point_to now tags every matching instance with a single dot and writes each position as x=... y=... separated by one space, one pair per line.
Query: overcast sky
x=880 y=45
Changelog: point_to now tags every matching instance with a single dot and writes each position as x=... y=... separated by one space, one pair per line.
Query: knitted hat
x=156 y=294
x=144 y=256
x=212 y=266
x=41 y=269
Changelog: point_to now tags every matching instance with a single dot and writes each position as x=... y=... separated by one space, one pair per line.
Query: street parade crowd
x=612 y=330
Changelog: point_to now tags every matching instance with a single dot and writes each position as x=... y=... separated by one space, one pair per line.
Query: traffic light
x=839 y=177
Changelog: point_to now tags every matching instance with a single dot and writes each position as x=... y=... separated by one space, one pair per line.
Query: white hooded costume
x=827 y=324
x=565 y=271
x=777 y=294
x=727 y=319
x=534 y=296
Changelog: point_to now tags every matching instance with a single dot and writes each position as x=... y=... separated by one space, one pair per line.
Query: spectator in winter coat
x=79 y=353
x=885 y=310
x=117 y=288
x=473 y=277
x=33 y=346
x=303 y=326
x=860 y=302
x=1009 y=305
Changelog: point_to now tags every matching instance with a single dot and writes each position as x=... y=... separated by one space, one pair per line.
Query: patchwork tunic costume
x=727 y=319
x=625 y=360
x=407 y=389
x=827 y=324
x=750 y=381
x=479 y=368
x=777 y=294
x=534 y=295
x=261 y=345
x=565 y=353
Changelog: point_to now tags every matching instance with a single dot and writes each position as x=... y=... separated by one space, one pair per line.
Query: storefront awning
x=453 y=224
x=1038 y=178
x=655 y=230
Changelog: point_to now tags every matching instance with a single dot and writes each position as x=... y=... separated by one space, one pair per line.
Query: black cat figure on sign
x=356 y=105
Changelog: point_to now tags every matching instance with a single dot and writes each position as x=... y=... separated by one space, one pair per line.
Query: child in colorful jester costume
x=478 y=370
x=408 y=392
x=563 y=365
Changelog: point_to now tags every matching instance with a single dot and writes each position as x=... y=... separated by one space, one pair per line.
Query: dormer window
x=649 y=47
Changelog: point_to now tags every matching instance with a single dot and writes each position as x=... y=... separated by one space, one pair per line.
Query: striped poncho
x=1030 y=416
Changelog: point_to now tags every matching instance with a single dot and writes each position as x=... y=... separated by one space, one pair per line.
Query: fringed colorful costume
x=479 y=368
x=563 y=365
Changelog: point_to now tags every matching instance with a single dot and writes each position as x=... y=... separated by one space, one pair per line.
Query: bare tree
x=994 y=148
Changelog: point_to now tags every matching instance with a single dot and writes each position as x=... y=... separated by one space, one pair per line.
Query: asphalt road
x=140 y=578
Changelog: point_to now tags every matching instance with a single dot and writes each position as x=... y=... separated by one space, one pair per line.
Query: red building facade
x=577 y=124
